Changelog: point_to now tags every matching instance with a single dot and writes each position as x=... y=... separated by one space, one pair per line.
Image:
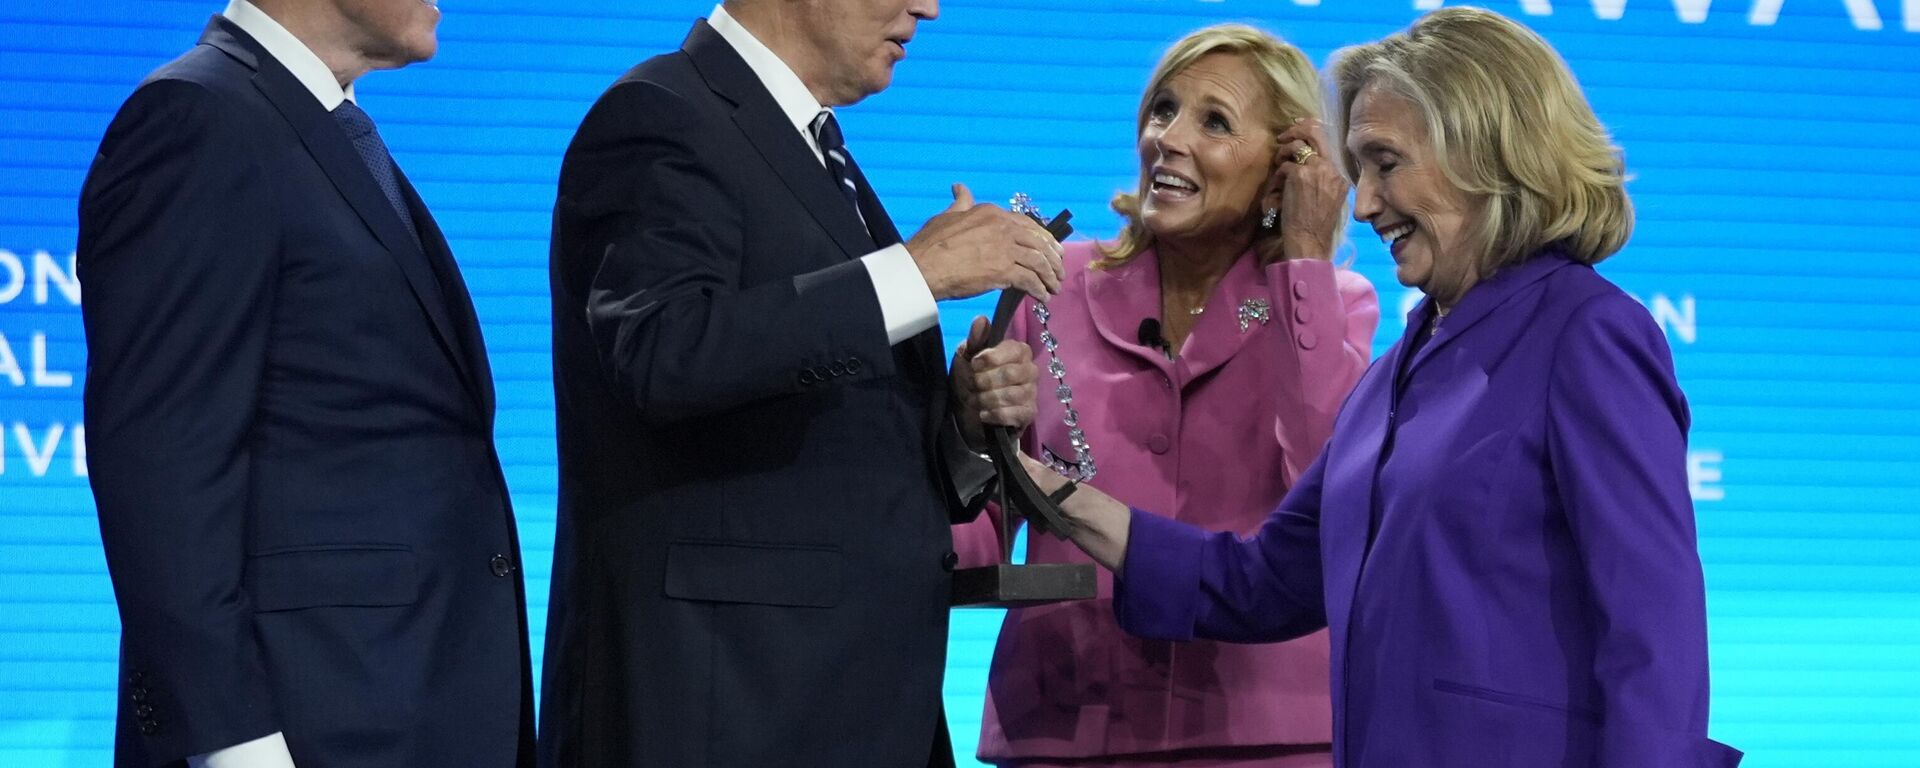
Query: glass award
x=1006 y=584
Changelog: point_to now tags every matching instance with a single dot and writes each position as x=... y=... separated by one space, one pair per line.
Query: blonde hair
x=1292 y=87
x=1509 y=126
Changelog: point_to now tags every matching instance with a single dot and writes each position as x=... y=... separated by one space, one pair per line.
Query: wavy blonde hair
x=1293 y=90
x=1508 y=125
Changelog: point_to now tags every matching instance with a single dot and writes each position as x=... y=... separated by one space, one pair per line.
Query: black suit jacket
x=752 y=565
x=290 y=423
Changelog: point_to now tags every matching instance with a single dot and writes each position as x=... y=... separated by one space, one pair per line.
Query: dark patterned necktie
x=826 y=130
x=373 y=152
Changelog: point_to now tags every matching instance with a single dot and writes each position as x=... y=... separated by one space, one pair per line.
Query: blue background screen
x=1776 y=177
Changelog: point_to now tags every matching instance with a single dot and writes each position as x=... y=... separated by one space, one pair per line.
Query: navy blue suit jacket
x=751 y=567
x=290 y=421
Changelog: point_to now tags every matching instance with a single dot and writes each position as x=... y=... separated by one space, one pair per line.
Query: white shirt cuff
x=906 y=304
x=269 y=751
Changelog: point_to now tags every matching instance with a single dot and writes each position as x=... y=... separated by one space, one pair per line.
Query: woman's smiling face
x=1406 y=197
x=1206 y=151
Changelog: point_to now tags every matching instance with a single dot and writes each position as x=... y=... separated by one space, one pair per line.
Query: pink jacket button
x=1158 y=444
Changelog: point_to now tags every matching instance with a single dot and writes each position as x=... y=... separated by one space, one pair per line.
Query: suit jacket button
x=500 y=565
x=1158 y=444
x=853 y=364
x=949 y=560
x=1303 y=314
x=1308 y=340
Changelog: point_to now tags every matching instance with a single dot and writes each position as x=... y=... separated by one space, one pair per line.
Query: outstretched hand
x=970 y=249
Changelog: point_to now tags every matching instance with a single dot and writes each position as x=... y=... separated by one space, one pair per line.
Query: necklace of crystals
x=1082 y=468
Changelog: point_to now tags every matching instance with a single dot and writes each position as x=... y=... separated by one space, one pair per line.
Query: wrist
x=1305 y=247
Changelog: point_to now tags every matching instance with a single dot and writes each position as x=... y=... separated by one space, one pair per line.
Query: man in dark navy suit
x=290 y=415
x=758 y=467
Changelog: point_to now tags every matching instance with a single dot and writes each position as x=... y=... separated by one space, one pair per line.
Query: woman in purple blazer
x=1498 y=534
x=1214 y=334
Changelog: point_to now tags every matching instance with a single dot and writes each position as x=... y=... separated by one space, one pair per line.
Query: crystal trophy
x=1004 y=584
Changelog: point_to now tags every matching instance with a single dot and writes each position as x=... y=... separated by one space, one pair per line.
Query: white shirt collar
x=787 y=89
x=305 y=65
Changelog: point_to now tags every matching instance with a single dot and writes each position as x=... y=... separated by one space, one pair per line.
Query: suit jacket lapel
x=1118 y=298
x=778 y=143
x=471 y=352
x=1217 y=336
x=927 y=345
x=781 y=146
x=1480 y=301
x=341 y=163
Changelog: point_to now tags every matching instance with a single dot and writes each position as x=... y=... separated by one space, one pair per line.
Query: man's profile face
x=391 y=33
x=856 y=43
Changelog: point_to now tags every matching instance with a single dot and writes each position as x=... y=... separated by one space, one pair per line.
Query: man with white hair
x=758 y=464
x=291 y=413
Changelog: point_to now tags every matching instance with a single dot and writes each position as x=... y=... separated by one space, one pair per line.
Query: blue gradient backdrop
x=1777 y=181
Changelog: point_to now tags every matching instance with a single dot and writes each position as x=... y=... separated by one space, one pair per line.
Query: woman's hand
x=1313 y=193
x=1101 y=521
x=995 y=386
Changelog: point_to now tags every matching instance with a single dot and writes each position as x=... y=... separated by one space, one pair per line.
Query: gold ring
x=1303 y=153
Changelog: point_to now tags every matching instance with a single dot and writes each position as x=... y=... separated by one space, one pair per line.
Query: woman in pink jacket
x=1208 y=347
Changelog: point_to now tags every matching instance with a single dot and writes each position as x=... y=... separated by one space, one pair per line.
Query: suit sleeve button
x=950 y=560
x=139 y=695
x=853 y=364
x=837 y=368
x=806 y=377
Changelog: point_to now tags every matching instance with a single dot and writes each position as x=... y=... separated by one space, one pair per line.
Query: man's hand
x=970 y=249
x=995 y=386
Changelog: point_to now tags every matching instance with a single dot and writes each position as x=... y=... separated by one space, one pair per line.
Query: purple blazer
x=1175 y=435
x=1532 y=597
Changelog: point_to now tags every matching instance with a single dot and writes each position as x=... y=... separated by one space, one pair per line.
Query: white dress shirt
x=270 y=751
x=906 y=304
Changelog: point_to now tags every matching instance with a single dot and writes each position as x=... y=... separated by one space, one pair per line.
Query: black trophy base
x=1012 y=586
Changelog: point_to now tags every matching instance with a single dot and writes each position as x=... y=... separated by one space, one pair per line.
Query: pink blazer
x=1214 y=438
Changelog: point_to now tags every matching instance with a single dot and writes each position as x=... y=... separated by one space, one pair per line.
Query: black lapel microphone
x=1149 y=336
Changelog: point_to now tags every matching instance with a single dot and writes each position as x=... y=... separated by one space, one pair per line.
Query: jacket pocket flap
x=337 y=576
x=753 y=572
